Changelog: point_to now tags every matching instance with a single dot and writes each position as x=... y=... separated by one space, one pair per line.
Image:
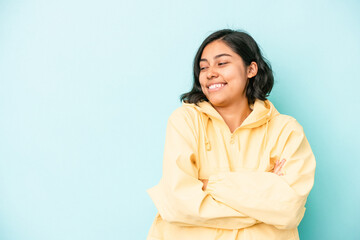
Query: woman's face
x=223 y=75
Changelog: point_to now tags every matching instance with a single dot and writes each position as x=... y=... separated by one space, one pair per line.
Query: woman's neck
x=234 y=114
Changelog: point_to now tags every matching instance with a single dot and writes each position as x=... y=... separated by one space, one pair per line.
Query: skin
x=219 y=64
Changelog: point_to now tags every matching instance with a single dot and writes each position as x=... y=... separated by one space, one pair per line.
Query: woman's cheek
x=202 y=84
x=203 y=89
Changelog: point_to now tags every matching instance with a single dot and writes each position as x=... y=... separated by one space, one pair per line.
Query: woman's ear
x=252 y=70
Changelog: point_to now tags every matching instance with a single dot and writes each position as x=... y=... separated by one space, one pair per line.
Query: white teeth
x=216 y=85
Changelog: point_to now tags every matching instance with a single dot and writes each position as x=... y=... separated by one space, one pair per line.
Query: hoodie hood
x=262 y=113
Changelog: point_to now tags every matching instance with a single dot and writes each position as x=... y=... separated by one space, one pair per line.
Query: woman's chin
x=217 y=102
x=222 y=101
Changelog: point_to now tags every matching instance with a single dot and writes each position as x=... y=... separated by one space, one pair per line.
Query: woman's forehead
x=215 y=48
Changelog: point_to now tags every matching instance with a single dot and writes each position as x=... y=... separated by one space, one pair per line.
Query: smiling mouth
x=216 y=86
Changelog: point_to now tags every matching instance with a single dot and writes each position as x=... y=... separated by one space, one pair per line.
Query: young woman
x=234 y=167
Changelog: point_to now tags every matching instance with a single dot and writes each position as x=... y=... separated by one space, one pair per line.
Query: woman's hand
x=205 y=182
x=278 y=166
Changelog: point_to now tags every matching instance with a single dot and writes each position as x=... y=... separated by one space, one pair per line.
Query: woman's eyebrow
x=217 y=56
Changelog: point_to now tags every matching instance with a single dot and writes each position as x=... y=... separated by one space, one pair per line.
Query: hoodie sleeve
x=265 y=196
x=179 y=197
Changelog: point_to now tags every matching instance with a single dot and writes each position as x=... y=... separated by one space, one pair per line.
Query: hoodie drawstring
x=266 y=131
x=207 y=142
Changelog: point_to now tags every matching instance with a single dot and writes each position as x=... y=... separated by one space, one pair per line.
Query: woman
x=234 y=168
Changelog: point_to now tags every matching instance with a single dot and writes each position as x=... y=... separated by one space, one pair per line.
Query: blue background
x=86 y=88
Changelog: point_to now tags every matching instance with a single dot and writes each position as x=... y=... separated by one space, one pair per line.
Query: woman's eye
x=222 y=63
x=202 y=68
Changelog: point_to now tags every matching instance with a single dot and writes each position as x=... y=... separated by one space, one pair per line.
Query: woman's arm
x=277 y=170
x=179 y=197
x=265 y=196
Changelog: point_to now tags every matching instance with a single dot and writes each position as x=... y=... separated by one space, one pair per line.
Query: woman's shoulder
x=186 y=110
x=284 y=121
x=283 y=118
x=186 y=113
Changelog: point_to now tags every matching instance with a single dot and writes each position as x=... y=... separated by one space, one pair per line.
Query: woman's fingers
x=278 y=166
x=281 y=164
x=275 y=167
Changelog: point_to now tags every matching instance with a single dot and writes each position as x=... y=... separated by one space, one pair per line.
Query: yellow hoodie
x=243 y=199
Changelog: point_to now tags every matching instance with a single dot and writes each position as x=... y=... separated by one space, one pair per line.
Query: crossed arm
x=277 y=170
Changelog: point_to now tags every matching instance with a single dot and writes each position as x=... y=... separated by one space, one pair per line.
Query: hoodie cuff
x=213 y=180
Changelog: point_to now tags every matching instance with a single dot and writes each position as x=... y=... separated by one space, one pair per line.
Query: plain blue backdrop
x=86 y=88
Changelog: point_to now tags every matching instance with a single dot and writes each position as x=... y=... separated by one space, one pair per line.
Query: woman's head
x=245 y=70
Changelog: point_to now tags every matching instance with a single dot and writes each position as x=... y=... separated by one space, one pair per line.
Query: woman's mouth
x=216 y=87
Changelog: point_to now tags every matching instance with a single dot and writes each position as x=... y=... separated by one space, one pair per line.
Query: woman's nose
x=211 y=73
